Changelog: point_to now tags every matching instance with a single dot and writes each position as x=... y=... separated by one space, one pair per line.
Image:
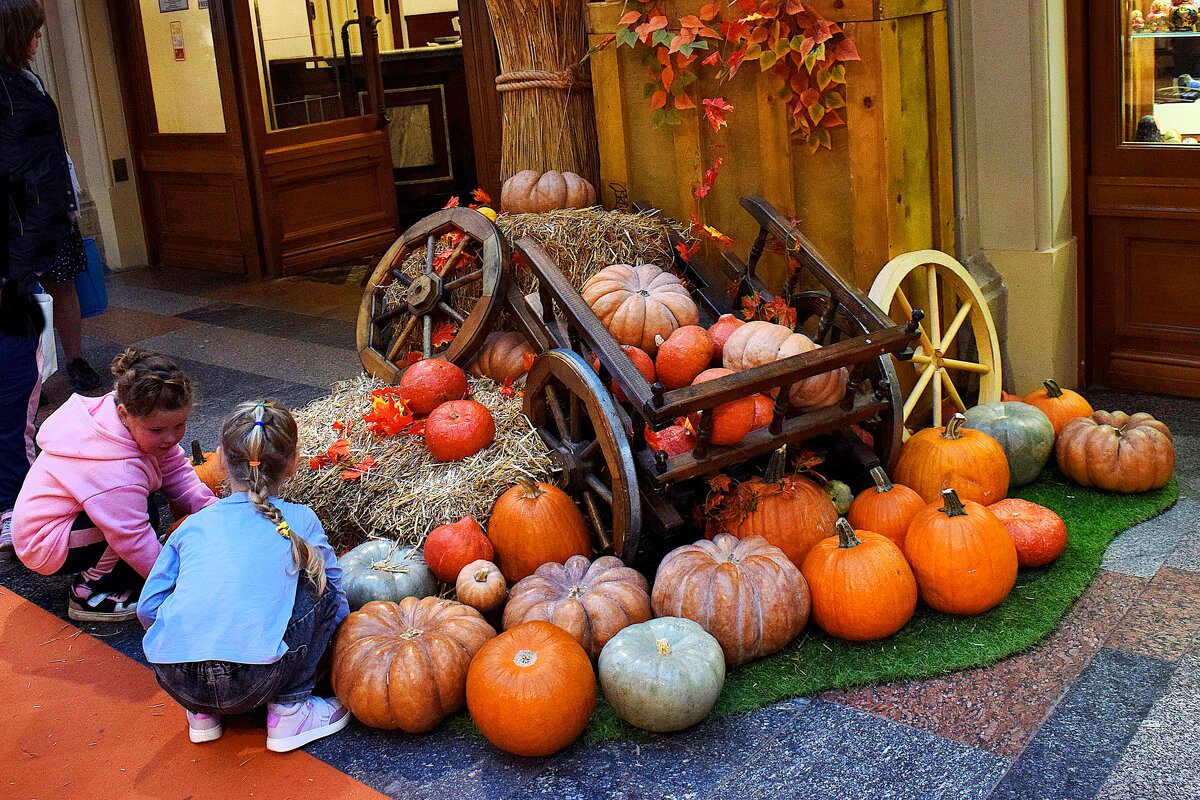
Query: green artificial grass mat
x=934 y=643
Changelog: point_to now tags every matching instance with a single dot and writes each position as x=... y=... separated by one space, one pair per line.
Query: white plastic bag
x=49 y=344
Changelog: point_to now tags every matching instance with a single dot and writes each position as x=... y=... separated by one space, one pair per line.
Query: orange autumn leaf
x=482 y=197
x=527 y=361
x=387 y=417
x=709 y=11
x=452 y=202
x=359 y=469
x=629 y=18
x=339 y=449
x=444 y=334
x=416 y=429
x=507 y=389
x=683 y=102
x=658 y=99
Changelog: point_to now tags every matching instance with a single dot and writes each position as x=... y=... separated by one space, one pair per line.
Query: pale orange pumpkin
x=1059 y=404
x=964 y=560
x=1117 y=452
x=531 y=690
x=530 y=191
x=502 y=357
x=592 y=601
x=481 y=585
x=682 y=356
x=862 y=588
x=968 y=460
x=638 y=304
x=764 y=411
x=404 y=665
x=533 y=524
x=745 y=592
x=885 y=508
x=757 y=343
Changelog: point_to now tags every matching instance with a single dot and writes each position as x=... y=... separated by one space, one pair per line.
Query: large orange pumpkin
x=210 y=467
x=533 y=524
x=531 y=690
x=1038 y=533
x=887 y=508
x=731 y=421
x=404 y=665
x=530 y=191
x=683 y=355
x=745 y=592
x=1060 y=405
x=968 y=460
x=788 y=510
x=502 y=357
x=638 y=304
x=1117 y=452
x=963 y=558
x=861 y=586
x=757 y=343
x=592 y=601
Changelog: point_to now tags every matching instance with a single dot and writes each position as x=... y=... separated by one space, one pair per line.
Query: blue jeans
x=224 y=687
x=19 y=378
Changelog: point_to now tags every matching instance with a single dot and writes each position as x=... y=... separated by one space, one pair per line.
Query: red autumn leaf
x=339 y=425
x=864 y=435
x=416 y=429
x=810 y=97
x=658 y=99
x=779 y=312
x=807 y=459
x=794 y=6
x=338 y=450
x=414 y=356
x=832 y=119
x=629 y=18
x=647 y=28
x=846 y=50
x=452 y=202
x=713 y=59
x=686 y=251
x=482 y=197
x=317 y=463
x=690 y=22
x=709 y=11
x=750 y=304
x=507 y=389
x=716 y=110
x=527 y=361
x=444 y=334
x=735 y=60
x=700 y=192
x=674 y=440
x=720 y=483
x=359 y=469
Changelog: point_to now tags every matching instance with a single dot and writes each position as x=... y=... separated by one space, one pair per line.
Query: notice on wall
x=177 y=41
x=167 y=6
x=202 y=4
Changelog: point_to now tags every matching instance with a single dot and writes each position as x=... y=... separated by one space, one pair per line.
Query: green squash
x=663 y=675
x=1023 y=431
x=378 y=570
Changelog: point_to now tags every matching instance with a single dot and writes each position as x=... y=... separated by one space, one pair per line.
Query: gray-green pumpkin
x=378 y=570
x=1024 y=431
x=663 y=675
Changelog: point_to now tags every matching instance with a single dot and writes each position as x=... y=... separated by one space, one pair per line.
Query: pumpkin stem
x=777 y=465
x=481 y=575
x=664 y=647
x=954 y=507
x=846 y=537
x=1052 y=388
x=525 y=658
x=952 y=427
x=197 y=453
x=532 y=490
x=883 y=483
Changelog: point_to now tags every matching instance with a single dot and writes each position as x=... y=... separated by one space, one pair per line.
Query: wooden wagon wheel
x=887 y=429
x=579 y=421
x=947 y=292
x=411 y=294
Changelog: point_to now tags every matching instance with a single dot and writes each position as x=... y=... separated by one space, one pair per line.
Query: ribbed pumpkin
x=209 y=467
x=788 y=510
x=481 y=586
x=533 y=524
x=662 y=675
x=1117 y=452
x=1038 y=533
x=530 y=191
x=379 y=570
x=953 y=456
x=757 y=343
x=637 y=304
x=502 y=357
x=731 y=421
x=886 y=509
x=683 y=355
x=963 y=558
x=720 y=331
x=592 y=601
x=404 y=665
x=861 y=586
x=531 y=690
x=1059 y=404
x=744 y=592
x=450 y=547
x=1024 y=433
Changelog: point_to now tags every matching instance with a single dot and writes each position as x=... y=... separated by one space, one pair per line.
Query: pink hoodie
x=89 y=462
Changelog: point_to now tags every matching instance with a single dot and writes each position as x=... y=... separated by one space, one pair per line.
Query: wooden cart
x=599 y=445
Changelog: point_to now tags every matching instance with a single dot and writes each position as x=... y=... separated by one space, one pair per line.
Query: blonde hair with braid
x=259 y=441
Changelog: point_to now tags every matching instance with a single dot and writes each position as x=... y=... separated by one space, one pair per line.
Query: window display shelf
x=1164 y=34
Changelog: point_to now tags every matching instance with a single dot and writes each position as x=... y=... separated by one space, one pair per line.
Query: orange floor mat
x=78 y=719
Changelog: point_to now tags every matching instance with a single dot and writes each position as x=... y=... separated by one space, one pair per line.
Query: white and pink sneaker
x=293 y=725
x=204 y=727
x=6 y=542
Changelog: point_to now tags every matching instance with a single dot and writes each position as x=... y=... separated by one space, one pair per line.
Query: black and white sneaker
x=86 y=605
x=83 y=377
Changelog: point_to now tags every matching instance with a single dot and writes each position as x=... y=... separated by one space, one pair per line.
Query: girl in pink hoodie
x=84 y=507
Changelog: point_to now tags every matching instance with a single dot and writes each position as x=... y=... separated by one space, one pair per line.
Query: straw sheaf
x=408 y=492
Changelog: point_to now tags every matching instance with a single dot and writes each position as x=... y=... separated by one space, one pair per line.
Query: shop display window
x=1161 y=46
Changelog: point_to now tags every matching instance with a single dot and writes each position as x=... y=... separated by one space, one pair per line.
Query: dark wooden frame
x=1078 y=109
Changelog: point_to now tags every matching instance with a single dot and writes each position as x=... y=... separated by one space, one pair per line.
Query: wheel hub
x=424 y=293
x=565 y=460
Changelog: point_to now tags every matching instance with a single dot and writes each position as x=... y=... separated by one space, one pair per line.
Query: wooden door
x=1141 y=213
x=482 y=65
x=184 y=128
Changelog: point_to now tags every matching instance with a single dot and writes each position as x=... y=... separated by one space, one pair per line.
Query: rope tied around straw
x=571 y=78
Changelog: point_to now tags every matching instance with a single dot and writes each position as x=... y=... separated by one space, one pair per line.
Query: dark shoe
x=83 y=377
x=84 y=604
x=43 y=401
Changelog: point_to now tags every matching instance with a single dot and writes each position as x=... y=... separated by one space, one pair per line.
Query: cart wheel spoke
x=556 y=411
x=917 y=391
x=936 y=383
x=450 y=312
x=955 y=324
x=934 y=311
x=952 y=390
x=598 y=486
x=603 y=536
x=448 y=267
x=465 y=280
x=400 y=277
x=400 y=341
x=907 y=308
x=967 y=366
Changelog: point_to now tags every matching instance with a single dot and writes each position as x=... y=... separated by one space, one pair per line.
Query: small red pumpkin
x=1039 y=534
x=764 y=410
x=640 y=359
x=448 y=548
x=720 y=331
x=430 y=382
x=683 y=355
x=732 y=420
x=458 y=429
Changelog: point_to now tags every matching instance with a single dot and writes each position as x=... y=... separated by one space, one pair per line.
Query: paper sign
x=203 y=4
x=177 y=41
x=167 y=6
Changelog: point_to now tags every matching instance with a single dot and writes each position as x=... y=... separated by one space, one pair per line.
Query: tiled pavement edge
x=1066 y=717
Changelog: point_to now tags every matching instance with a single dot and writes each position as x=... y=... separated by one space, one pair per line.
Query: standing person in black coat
x=37 y=188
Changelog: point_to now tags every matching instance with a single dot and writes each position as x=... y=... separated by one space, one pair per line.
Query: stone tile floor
x=1108 y=706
